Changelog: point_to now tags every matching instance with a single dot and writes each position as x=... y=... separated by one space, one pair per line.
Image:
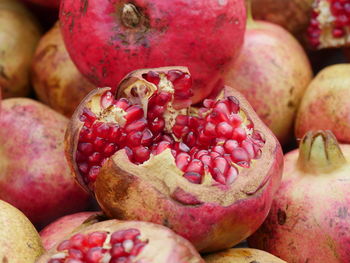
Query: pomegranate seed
x=80 y=157
x=152 y=77
x=336 y=8
x=206 y=160
x=133 y=139
x=95 y=158
x=88 y=117
x=182 y=86
x=102 y=129
x=129 y=153
x=248 y=146
x=221 y=164
x=218 y=176
x=214 y=154
x=118 y=251
x=85 y=148
x=201 y=153
x=182 y=161
x=230 y=145
x=161 y=147
x=163 y=98
x=114 y=133
x=338 y=32
x=134 y=113
x=141 y=154
x=96 y=239
x=183 y=147
x=77 y=241
x=155 y=111
x=347 y=8
x=107 y=99
x=239 y=134
x=182 y=120
x=167 y=138
x=204 y=140
x=234 y=104
x=86 y=135
x=122 y=103
x=75 y=253
x=83 y=168
x=231 y=175
x=223 y=129
x=99 y=144
x=195 y=178
x=110 y=149
x=240 y=157
x=138 y=125
x=195 y=123
x=180 y=131
x=210 y=129
x=137 y=249
x=208 y=103
x=235 y=120
x=64 y=245
x=222 y=107
x=341 y=21
x=94 y=170
x=157 y=125
x=219 y=149
x=147 y=137
x=195 y=166
x=94 y=255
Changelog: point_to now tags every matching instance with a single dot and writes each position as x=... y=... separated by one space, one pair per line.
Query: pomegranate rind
x=174 y=249
x=309 y=214
x=19 y=240
x=242 y=255
x=325 y=104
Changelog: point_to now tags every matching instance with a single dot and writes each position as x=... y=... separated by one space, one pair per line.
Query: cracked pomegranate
x=325 y=104
x=330 y=24
x=123 y=242
x=19 y=241
x=276 y=89
x=309 y=218
x=142 y=34
x=218 y=163
x=56 y=80
x=62 y=227
x=242 y=255
x=34 y=175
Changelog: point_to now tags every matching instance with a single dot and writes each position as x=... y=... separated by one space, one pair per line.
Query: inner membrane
x=217 y=139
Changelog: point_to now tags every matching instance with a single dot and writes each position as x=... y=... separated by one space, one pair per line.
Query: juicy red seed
x=336 y=8
x=152 y=77
x=110 y=149
x=77 y=241
x=167 y=138
x=341 y=21
x=231 y=175
x=95 y=158
x=182 y=120
x=134 y=113
x=141 y=154
x=219 y=149
x=161 y=147
x=194 y=123
x=64 y=245
x=155 y=111
x=239 y=134
x=120 y=236
x=94 y=254
x=138 y=125
x=223 y=129
x=83 y=168
x=114 y=133
x=183 y=147
x=85 y=148
x=88 y=117
x=193 y=151
x=240 y=157
x=206 y=160
x=214 y=154
x=222 y=108
x=75 y=253
x=137 y=249
x=210 y=129
x=195 y=166
x=182 y=161
x=208 y=103
x=118 y=251
x=99 y=144
x=163 y=98
x=94 y=170
x=248 y=146
x=347 y=8
x=129 y=153
x=201 y=153
x=221 y=164
x=122 y=103
x=338 y=32
x=180 y=131
x=235 y=120
x=195 y=178
x=96 y=239
x=157 y=125
x=107 y=99
x=234 y=104
x=80 y=157
x=204 y=140
x=86 y=135
x=102 y=129
x=147 y=137
x=230 y=145
x=133 y=139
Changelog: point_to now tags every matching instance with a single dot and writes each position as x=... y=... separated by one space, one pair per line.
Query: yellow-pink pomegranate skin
x=309 y=218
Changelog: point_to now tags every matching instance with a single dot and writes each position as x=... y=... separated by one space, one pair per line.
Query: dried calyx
x=152 y=113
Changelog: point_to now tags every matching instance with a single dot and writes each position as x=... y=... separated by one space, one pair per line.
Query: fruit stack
x=178 y=131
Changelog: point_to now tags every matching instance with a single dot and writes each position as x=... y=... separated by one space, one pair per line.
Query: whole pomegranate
x=276 y=88
x=309 y=218
x=56 y=80
x=34 y=175
x=330 y=24
x=293 y=15
x=46 y=3
x=19 y=241
x=108 y=39
x=117 y=241
x=325 y=104
x=242 y=255
x=19 y=34
x=208 y=173
x=62 y=227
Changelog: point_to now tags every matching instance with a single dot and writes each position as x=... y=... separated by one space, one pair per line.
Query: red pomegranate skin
x=34 y=175
x=62 y=227
x=46 y=3
x=205 y=36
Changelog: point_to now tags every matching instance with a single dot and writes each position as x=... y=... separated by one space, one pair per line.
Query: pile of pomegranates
x=183 y=131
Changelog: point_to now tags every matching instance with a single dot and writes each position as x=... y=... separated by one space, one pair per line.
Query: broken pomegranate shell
x=330 y=24
x=123 y=242
x=208 y=173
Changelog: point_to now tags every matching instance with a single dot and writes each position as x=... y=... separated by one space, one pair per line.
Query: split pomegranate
x=19 y=241
x=325 y=104
x=147 y=155
x=330 y=24
x=275 y=89
x=62 y=227
x=242 y=255
x=309 y=218
x=56 y=80
x=206 y=36
x=118 y=242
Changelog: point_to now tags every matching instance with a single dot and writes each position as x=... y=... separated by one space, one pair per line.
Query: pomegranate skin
x=56 y=80
x=325 y=104
x=64 y=226
x=19 y=240
x=34 y=175
x=148 y=34
x=309 y=220
x=276 y=88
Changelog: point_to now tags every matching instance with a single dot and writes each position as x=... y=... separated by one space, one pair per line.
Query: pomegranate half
x=208 y=173
x=123 y=242
x=309 y=217
x=109 y=39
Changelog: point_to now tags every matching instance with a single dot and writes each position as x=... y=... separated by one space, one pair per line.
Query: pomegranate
x=46 y=3
x=325 y=104
x=208 y=173
x=206 y=36
x=34 y=175
x=293 y=15
x=329 y=24
x=19 y=241
x=57 y=230
x=309 y=219
x=17 y=26
x=55 y=78
x=242 y=255
x=275 y=89
x=117 y=241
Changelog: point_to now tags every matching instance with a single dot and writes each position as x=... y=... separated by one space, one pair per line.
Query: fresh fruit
x=325 y=104
x=272 y=72
x=309 y=218
x=329 y=24
x=19 y=241
x=46 y=3
x=117 y=241
x=208 y=173
x=19 y=34
x=56 y=80
x=293 y=15
x=62 y=227
x=242 y=255
x=34 y=175
x=109 y=39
